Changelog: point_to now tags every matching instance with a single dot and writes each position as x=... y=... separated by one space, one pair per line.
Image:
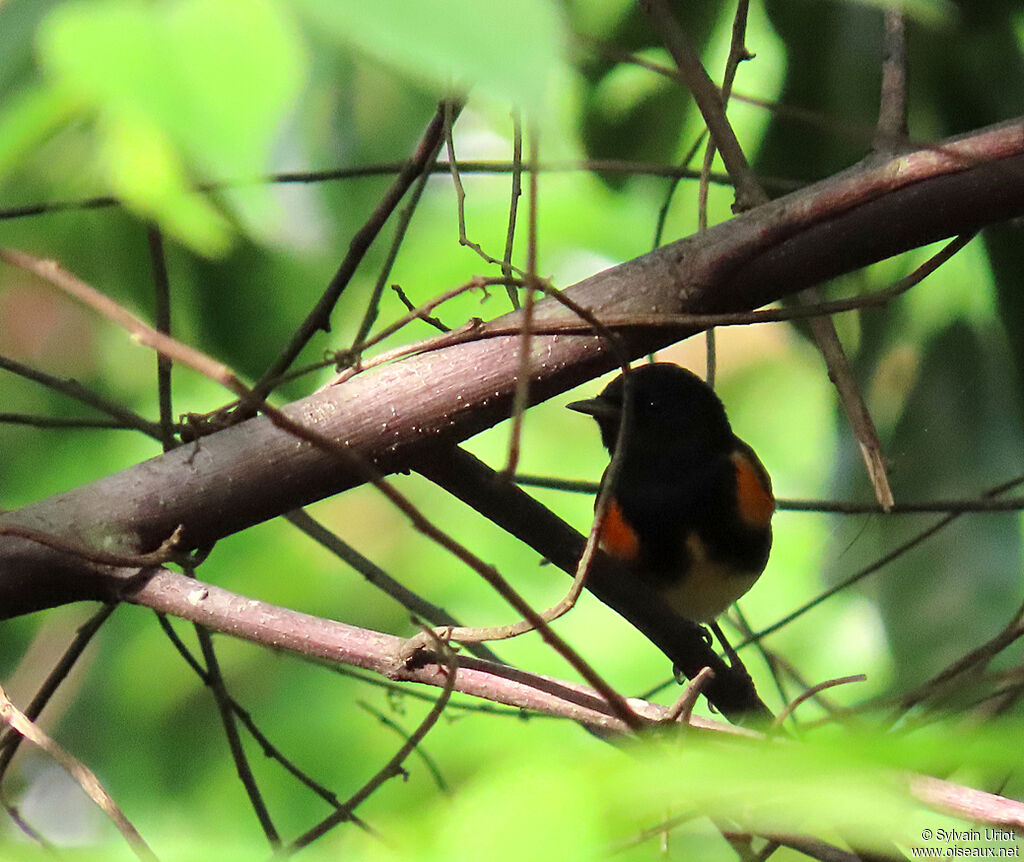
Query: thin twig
x=426 y=318
x=217 y=686
x=85 y=777
x=840 y=372
x=400 y=690
x=319 y=317
x=76 y=390
x=792 y=706
x=223 y=375
x=840 y=507
x=709 y=101
x=834 y=124
x=513 y=206
x=353 y=358
x=521 y=399
x=11 y=741
x=383 y=169
x=428 y=761
x=682 y=709
x=394 y=766
x=659 y=226
x=476 y=330
x=164 y=553
x=870 y=569
x=162 y=320
x=375 y=575
x=843 y=507
x=460 y=204
x=26 y=828
x=404 y=220
x=243 y=715
x=737 y=54
x=891 y=129
x=976 y=658
x=52 y=272
x=56 y=423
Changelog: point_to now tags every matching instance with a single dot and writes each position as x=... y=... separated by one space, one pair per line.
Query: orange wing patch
x=754 y=500
x=617 y=537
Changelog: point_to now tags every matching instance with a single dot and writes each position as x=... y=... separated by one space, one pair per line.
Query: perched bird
x=691 y=506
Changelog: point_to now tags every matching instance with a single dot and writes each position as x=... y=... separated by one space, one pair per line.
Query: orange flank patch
x=617 y=537
x=754 y=500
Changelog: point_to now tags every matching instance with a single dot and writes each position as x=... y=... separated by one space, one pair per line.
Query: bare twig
x=409 y=600
x=268 y=748
x=843 y=507
x=522 y=395
x=166 y=550
x=215 y=681
x=471 y=166
x=659 y=226
x=45 y=423
x=351 y=357
x=737 y=53
x=840 y=372
x=513 y=206
x=11 y=740
x=709 y=101
x=404 y=220
x=891 y=130
x=816 y=689
x=85 y=777
x=875 y=566
x=319 y=317
x=833 y=124
x=839 y=507
x=394 y=766
x=162 y=318
x=976 y=659
x=428 y=761
x=76 y=390
x=682 y=709
x=426 y=318
x=666 y=320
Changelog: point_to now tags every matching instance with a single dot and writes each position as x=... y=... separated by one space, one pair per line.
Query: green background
x=141 y=100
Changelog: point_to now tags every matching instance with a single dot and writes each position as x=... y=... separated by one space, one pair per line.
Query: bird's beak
x=596 y=407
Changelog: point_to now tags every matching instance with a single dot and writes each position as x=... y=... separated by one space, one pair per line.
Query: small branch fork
x=749 y=194
x=321 y=639
x=220 y=373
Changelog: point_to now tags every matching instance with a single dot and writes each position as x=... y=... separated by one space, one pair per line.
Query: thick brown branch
x=418 y=408
x=333 y=642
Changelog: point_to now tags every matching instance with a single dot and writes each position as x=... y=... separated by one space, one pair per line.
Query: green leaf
x=28 y=117
x=202 y=86
x=509 y=51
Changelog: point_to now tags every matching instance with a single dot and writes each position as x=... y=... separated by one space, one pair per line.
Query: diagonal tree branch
x=415 y=409
x=333 y=642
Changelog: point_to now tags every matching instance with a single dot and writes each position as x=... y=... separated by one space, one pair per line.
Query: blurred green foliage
x=142 y=100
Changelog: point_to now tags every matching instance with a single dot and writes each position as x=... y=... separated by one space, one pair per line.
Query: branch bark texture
x=415 y=410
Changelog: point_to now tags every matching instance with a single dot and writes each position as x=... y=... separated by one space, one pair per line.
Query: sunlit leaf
x=210 y=82
x=510 y=51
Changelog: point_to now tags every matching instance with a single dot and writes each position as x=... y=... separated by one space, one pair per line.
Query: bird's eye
x=651 y=407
